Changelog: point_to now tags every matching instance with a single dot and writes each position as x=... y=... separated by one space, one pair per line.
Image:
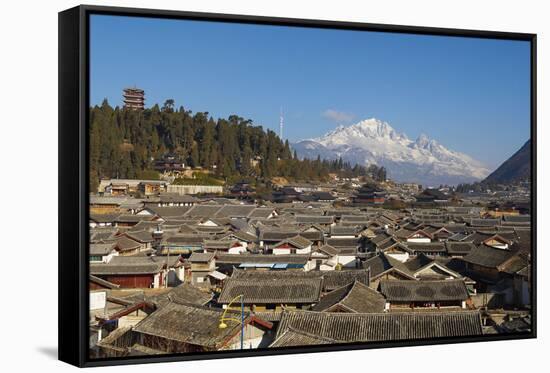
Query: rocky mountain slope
x=515 y=168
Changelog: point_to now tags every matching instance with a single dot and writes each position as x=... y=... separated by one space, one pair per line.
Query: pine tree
x=123 y=143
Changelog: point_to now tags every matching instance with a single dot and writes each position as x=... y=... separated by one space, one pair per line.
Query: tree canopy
x=125 y=143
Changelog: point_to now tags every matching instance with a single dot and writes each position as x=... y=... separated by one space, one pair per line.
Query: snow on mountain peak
x=373 y=126
x=369 y=128
x=373 y=141
x=422 y=140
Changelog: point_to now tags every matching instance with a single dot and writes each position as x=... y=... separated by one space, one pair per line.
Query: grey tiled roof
x=104 y=218
x=140 y=236
x=102 y=282
x=518 y=219
x=184 y=238
x=191 y=324
x=242 y=236
x=219 y=244
x=260 y=212
x=269 y=291
x=314 y=219
x=291 y=337
x=185 y=293
x=169 y=211
x=459 y=248
x=356 y=297
x=277 y=235
x=129 y=218
x=101 y=248
x=487 y=256
x=343 y=242
x=423 y=291
x=200 y=257
x=382 y=263
x=235 y=211
x=331 y=279
x=102 y=234
x=203 y=211
x=370 y=327
x=419 y=247
x=124 y=243
x=128 y=265
x=329 y=250
x=343 y=230
x=296 y=241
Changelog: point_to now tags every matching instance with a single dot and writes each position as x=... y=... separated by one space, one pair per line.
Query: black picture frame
x=74 y=187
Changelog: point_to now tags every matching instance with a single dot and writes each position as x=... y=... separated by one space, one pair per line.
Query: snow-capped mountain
x=372 y=141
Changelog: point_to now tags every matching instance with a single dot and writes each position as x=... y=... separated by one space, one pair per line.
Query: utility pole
x=242 y=321
x=167 y=266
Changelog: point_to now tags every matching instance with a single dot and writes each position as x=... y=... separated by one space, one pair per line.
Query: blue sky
x=471 y=95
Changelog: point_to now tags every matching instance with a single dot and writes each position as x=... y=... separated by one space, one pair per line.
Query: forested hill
x=125 y=143
x=516 y=168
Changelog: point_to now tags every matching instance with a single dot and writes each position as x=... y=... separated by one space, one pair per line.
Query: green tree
x=168 y=106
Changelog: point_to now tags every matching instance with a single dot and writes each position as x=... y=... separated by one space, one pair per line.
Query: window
x=96 y=258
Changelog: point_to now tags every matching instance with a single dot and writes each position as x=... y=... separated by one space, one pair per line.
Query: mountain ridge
x=372 y=141
x=515 y=168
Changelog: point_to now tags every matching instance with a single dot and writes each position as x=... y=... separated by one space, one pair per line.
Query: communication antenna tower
x=281 y=123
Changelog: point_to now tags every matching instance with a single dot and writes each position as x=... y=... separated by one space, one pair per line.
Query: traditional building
x=370 y=194
x=148 y=188
x=134 y=271
x=424 y=294
x=117 y=189
x=332 y=280
x=102 y=252
x=263 y=262
x=202 y=264
x=433 y=196
x=185 y=328
x=292 y=245
x=383 y=267
x=226 y=246
x=169 y=165
x=372 y=327
x=355 y=298
x=268 y=295
x=134 y=98
x=242 y=189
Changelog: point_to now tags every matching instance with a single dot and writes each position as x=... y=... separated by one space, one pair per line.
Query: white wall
x=107 y=258
x=346 y=260
x=419 y=239
x=194 y=189
x=243 y=244
x=402 y=257
x=156 y=280
x=306 y=250
x=237 y=250
x=281 y=251
x=209 y=223
x=29 y=41
x=325 y=267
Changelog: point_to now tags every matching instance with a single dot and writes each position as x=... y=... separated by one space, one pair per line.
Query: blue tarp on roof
x=295 y=266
